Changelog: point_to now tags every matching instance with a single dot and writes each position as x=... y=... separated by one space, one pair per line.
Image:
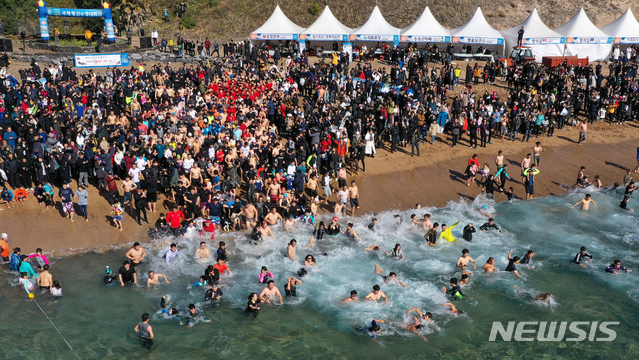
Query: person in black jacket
x=469 y=230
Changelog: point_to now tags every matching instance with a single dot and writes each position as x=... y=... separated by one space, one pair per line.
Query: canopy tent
x=425 y=29
x=624 y=30
x=326 y=28
x=583 y=38
x=478 y=31
x=376 y=28
x=541 y=38
x=277 y=27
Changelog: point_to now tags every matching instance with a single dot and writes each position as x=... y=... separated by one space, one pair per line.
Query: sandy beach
x=391 y=181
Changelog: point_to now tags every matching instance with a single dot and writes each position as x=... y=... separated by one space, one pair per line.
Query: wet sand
x=392 y=181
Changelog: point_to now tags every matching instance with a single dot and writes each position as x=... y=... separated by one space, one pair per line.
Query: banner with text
x=101 y=60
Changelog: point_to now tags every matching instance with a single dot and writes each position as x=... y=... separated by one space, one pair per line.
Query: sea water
x=98 y=321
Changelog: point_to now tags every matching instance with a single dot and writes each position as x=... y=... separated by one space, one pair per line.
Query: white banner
x=101 y=60
x=589 y=40
x=478 y=40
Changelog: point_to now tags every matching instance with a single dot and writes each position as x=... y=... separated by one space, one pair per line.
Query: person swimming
x=109 y=278
x=455 y=290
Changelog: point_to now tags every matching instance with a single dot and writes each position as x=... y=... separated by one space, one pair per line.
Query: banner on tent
x=256 y=36
x=477 y=40
x=101 y=60
x=323 y=37
x=589 y=40
x=363 y=37
x=626 y=40
x=544 y=41
x=420 y=38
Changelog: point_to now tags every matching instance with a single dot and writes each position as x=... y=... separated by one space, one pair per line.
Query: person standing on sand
x=499 y=160
x=585 y=203
x=66 y=194
x=353 y=193
x=529 y=181
x=583 y=129
x=525 y=164
x=537 y=151
x=83 y=201
x=118 y=215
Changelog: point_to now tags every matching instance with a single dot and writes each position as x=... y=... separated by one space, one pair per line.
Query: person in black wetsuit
x=290 y=287
x=581 y=255
x=333 y=228
x=469 y=230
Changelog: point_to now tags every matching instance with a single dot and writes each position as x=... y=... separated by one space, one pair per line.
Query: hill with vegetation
x=226 y=19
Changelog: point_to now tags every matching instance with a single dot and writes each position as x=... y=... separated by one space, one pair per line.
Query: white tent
x=425 y=29
x=277 y=27
x=544 y=42
x=376 y=28
x=477 y=31
x=624 y=30
x=583 y=38
x=326 y=28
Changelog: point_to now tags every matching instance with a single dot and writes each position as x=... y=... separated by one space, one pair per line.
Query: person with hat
x=4 y=247
x=333 y=228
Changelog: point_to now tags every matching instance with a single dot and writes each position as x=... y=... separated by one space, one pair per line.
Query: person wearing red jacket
x=209 y=227
x=174 y=218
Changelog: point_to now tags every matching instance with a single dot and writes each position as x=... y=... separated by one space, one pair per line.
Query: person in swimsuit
x=350 y=233
x=353 y=297
x=333 y=228
x=309 y=260
x=396 y=253
x=373 y=247
x=252 y=306
x=454 y=310
x=417 y=325
x=391 y=276
x=489 y=266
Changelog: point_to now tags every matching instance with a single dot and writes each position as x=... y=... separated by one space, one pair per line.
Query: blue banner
x=85 y=13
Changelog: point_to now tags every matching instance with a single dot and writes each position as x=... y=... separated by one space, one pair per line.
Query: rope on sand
x=56 y=329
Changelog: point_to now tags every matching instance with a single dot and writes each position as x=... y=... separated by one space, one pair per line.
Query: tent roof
x=278 y=23
x=327 y=23
x=426 y=25
x=376 y=25
x=580 y=26
x=477 y=27
x=625 y=26
x=533 y=28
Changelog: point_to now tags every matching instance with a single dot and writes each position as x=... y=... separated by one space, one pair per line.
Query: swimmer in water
x=462 y=262
x=252 y=305
x=376 y=294
x=391 y=276
x=585 y=203
x=373 y=248
x=581 y=255
x=396 y=253
x=270 y=291
x=374 y=329
x=455 y=289
x=454 y=310
x=309 y=260
x=447 y=232
x=616 y=267
x=489 y=266
x=624 y=203
x=485 y=213
x=417 y=325
x=290 y=223
x=350 y=233
x=202 y=252
x=155 y=279
x=290 y=249
x=464 y=279
x=414 y=221
x=512 y=264
x=353 y=297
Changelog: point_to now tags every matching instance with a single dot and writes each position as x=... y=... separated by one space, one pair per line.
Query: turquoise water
x=98 y=321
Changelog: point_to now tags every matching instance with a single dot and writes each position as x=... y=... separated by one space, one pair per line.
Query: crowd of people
x=246 y=140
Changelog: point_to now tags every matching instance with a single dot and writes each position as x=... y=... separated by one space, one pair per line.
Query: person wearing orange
x=4 y=247
x=21 y=194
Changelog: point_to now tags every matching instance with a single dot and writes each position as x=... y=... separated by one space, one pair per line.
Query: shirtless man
x=250 y=215
x=353 y=193
x=289 y=223
x=341 y=176
x=392 y=276
x=462 y=262
x=489 y=266
x=499 y=160
x=376 y=294
x=426 y=223
x=353 y=297
x=270 y=291
x=537 y=151
x=128 y=186
x=525 y=164
x=202 y=252
x=417 y=322
x=290 y=249
x=265 y=230
x=585 y=203
x=45 y=279
x=136 y=254
x=155 y=279
x=312 y=186
x=272 y=217
x=338 y=209
x=580 y=175
x=274 y=192
x=195 y=175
